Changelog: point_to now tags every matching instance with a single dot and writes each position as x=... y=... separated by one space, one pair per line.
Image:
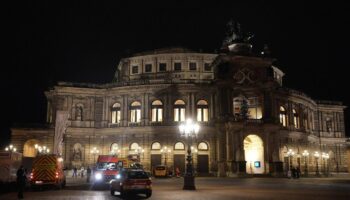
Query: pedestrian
x=82 y=172
x=88 y=174
x=75 y=170
x=298 y=172
x=294 y=172
x=177 y=172
x=21 y=181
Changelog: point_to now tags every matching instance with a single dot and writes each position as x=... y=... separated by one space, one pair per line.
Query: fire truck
x=108 y=166
x=47 y=170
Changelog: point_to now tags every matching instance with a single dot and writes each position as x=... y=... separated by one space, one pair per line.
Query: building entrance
x=254 y=154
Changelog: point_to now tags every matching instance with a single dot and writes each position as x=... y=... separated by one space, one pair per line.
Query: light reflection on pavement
x=208 y=189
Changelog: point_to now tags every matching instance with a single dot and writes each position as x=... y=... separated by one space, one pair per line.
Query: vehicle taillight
x=31 y=175
x=148 y=182
x=127 y=182
x=56 y=174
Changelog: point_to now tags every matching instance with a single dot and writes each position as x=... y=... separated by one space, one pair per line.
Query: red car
x=132 y=181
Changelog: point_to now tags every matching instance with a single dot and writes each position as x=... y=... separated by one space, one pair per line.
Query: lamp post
x=41 y=149
x=165 y=151
x=290 y=153
x=138 y=152
x=94 y=151
x=195 y=159
x=317 y=155
x=305 y=155
x=325 y=157
x=189 y=130
x=11 y=148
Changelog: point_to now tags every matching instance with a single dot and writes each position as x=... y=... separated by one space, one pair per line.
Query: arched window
x=134 y=146
x=296 y=119
x=135 y=112
x=114 y=148
x=157 y=111
x=179 y=111
x=155 y=146
x=283 y=116
x=202 y=111
x=115 y=113
x=179 y=146
x=203 y=146
x=252 y=105
x=254 y=108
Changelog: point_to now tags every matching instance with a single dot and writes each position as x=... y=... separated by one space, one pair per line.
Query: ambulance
x=47 y=170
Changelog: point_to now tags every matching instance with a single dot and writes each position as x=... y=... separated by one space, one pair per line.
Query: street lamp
x=94 y=151
x=189 y=130
x=10 y=148
x=115 y=151
x=317 y=155
x=325 y=157
x=165 y=151
x=41 y=149
x=138 y=152
x=195 y=159
x=290 y=153
x=305 y=155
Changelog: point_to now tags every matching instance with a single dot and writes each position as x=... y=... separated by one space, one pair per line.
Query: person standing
x=177 y=171
x=88 y=174
x=75 y=170
x=82 y=172
x=21 y=181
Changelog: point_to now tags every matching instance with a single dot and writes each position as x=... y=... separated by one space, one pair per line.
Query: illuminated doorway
x=29 y=148
x=254 y=154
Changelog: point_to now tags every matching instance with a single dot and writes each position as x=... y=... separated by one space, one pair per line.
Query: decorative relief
x=244 y=75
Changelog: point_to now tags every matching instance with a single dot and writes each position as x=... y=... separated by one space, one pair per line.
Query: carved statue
x=234 y=34
x=79 y=113
x=60 y=129
x=77 y=154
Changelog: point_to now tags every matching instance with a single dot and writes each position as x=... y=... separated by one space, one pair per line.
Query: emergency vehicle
x=47 y=170
x=108 y=167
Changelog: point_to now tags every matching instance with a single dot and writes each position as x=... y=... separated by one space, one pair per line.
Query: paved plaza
x=210 y=188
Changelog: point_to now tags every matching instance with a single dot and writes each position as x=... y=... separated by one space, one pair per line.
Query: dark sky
x=46 y=42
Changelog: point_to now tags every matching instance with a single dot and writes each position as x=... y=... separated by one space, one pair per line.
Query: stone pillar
x=222 y=165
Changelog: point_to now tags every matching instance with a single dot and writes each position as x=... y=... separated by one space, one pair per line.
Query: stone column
x=146 y=110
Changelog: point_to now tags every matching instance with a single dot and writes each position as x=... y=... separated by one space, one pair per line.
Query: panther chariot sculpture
x=236 y=40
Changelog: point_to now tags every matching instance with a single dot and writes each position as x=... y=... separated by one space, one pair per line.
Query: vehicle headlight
x=118 y=176
x=98 y=176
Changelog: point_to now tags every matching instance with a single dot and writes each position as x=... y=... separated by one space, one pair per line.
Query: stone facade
x=213 y=88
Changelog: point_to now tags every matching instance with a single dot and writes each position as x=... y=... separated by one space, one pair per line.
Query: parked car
x=160 y=171
x=132 y=181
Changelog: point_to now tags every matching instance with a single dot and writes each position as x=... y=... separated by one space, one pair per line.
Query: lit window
x=179 y=111
x=179 y=146
x=155 y=146
x=157 y=111
x=135 y=111
x=134 y=146
x=203 y=146
x=253 y=106
x=283 y=116
x=115 y=113
x=202 y=111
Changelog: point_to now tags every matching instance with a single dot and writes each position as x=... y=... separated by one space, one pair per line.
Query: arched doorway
x=254 y=154
x=29 y=148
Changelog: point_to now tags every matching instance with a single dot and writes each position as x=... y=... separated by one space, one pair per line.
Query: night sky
x=46 y=42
